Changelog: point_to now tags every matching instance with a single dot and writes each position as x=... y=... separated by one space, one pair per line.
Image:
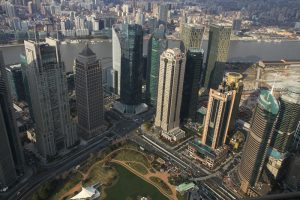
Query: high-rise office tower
x=284 y=132
x=151 y=24
x=116 y=59
x=217 y=53
x=192 y=35
x=157 y=44
x=191 y=85
x=220 y=113
x=131 y=39
x=15 y=79
x=89 y=93
x=140 y=18
x=129 y=72
x=163 y=13
x=11 y=155
x=296 y=139
x=258 y=141
x=236 y=24
x=288 y=119
x=170 y=84
x=55 y=130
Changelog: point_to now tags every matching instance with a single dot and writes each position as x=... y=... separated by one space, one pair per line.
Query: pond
x=129 y=186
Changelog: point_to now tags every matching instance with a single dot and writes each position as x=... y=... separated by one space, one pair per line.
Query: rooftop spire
x=87 y=51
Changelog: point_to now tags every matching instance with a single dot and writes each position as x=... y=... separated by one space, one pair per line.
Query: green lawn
x=129 y=155
x=160 y=183
x=138 y=167
x=101 y=174
x=130 y=186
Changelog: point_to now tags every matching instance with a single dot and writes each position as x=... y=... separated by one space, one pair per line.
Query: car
x=4 y=189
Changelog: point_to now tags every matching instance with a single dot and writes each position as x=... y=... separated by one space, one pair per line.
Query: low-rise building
x=206 y=155
x=173 y=135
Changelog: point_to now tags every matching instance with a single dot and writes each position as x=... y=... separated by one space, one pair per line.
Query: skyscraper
x=191 y=85
x=89 y=93
x=130 y=37
x=45 y=73
x=288 y=119
x=258 y=141
x=116 y=61
x=11 y=155
x=15 y=79
x=157 y=44
x=192 y=35
x=170 y=84
x=217 y=53
x=220 y=113
x=163 y=13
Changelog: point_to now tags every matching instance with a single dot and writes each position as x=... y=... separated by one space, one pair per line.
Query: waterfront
x=240 y=51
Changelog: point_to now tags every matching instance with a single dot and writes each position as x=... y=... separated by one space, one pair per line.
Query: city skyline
x=149 y=100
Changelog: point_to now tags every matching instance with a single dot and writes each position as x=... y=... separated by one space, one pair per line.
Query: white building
x=55 y=130
x=170 y=85
x=116 y=52
x=88 y=193
x=173 y=136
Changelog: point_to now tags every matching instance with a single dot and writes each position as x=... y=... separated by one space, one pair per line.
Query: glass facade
x=217 y=53
x=288 y=119
x=157 y=44
x=258 y=140
x=131 y=39
x=191 y=85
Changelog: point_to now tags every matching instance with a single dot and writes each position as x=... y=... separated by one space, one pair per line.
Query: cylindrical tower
x=258 y=140
x=288 y=119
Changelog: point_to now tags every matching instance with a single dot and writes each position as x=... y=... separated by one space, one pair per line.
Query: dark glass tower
x=11 y=155
x=157 y=44
x=131 y=39
x=191 y=85
x=258 y=141
x=288 y=119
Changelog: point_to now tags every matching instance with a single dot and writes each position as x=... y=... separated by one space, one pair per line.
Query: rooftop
x=87 y=51
x=185 y=187
x=268 y=102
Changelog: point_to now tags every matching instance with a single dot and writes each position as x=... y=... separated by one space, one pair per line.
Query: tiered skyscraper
x=11 y=154
x=258 y=141
x=170 y=85
x=223 y=105
x=222 y=108
x=157 y=44
x=217 y=53
x=89 y=93
x=55 y=131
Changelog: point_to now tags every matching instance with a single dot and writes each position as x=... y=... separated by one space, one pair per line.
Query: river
x=243 y=51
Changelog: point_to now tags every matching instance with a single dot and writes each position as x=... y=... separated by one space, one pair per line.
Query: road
x=211 y=187
x=120 y=129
